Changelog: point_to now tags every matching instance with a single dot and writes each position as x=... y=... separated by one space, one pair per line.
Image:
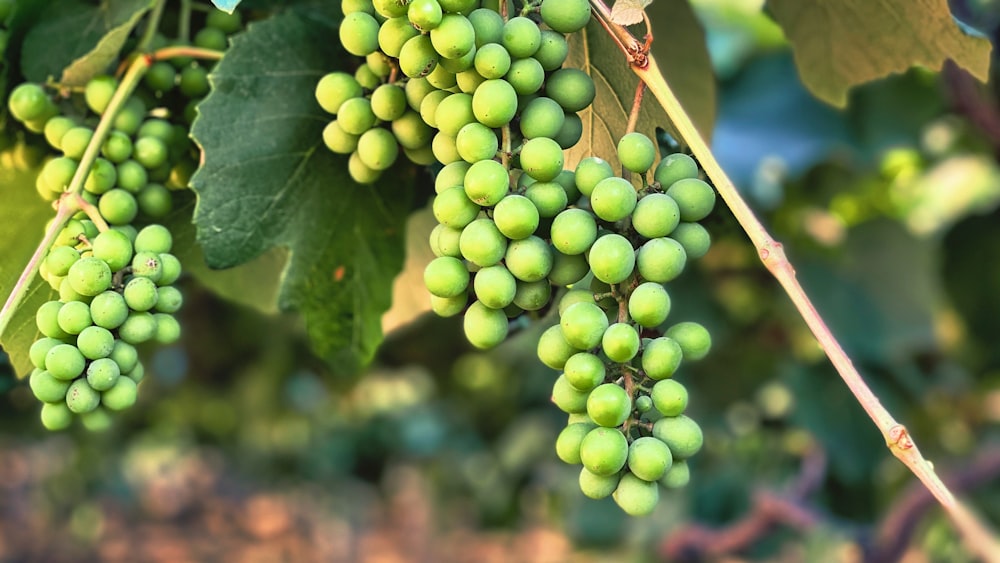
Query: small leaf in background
x=77 y=40
x=628 y=12
x=841 y=44
x=269 y=182
x=226 y=5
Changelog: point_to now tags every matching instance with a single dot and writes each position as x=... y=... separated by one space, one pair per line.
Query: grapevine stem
x=184 y=22
x=92 y=213
x=633 y=116
x=772 y=254
x=182 y=51
x=152 y=24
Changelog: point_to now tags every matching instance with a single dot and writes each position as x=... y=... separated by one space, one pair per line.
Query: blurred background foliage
x=245 y=447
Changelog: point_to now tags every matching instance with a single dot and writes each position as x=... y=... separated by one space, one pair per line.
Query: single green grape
x=529 y=259
x=620 y=342
x=565 y=16
x=694 y=238
x=661 y=357
x=669 y=397
x=170 y=268
x=194 y=82
x=584 y=371
x=359 y=33
x=154 y=201
x=56 y=416
x=521 y=37
x=589 y=172
x=140 y=294
x=95 y=342
x=377 y=149
x=494 y=104
x=361 y=172
x=604 y=451
x=649 y=458
x=612 y=258
x=28 y=102
x=74 y=142
x=488 y=25
x=417 y=56
x=118 y=207
x=542 y=159
x=60 y=259
x=484 y=327
x=674 y=167
x=338 y=140
x=161 y=76
x=446 y=277
x=568 y=398
x=597 y=486
x=495 y=286
x=108 y=310
x=636 y=152
x=552 y=51
x=46 y=388
x=677 y=476
x=74 y=317
x=393 y=34
x=483 y=244
x=526 y=76
x=681 y=434
x=661 y=260
x=515 y=215
x=168 y=329
x=90 y=276
x=449 y=306
x=492 y=61
x=694 y=340
x=356 y=116
x=572 y=88
x=475 y=142
x=486 y=182
x=532 y=296
x=121 y=396
x=65 y=362
x=102 y=374
x=452 y=175
x=227 y=23
x=388 y=102
x=569 y=440
x=695 y=199
x=573 y=231
x=453 y=208
x=453 y=113
x=568 y=269
x=656 y=215
x=102 y=177
x=583 y=325
x=649 y=304
x=553 y=349
x=41 y=347
x=613 y=199
x=542 y=117
x=55 y=128
x=211 y=38
x=168 y=299
x=608 y=405
x=635 y=496
x=454 y=37
x=549 y=198
x=125 y=355
x=425 y=15
x=138 y=327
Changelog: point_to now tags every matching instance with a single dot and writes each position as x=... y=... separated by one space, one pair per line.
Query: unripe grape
x=446 y=277
x=95 y=342
x=449 y=306
x=60 y=259
x=670 y=398
x=121 y=396
x=81 y=397
x=139 y=327
x=573 y=297
x=453 y=113
x=655 y=215
x=568 y=398
x=521 y=37
x=429 y=104
x=569 y=440
x=356 y=116
x=694 y=238
x=39 y=348
x=612 y=258
x=661 y=260
x=102 y=177
x=589 y=172
x=444 y=149
x=412 y=133
x=377 y=149
x=674 y=167
x=359 y=33
x=649 y=458
x=170 y=268
x=454 y=37
x=58 y=172
x=495 y=287
x=643 y=403
x=417 y=57
x=695 y=199
x=140 y=294
x=457 y=6
x=597 y=486
x=552 y=51
x=604 y=451
x=566 y=16
x=532 y=296
x=661 y=357
x=526 y=76
x=494 y=104
x=541 y=117
x=55 y=128
x=150 y=152
x=147 y=265
x=613 y=199
x=161 y=76
x=108 y=310
x=137 y=374
x=635 y=496
x=125 y=355
x=89 y=276
x=46 y=388
x=681 y=434
x=338 y=140
x=649 y=304
x=74 y=142
x=74 y=317
x=441 y=78
x=483 y=244
x=28 y=102
x=573 y=231
x=56 y=416
x=486 y=183
x=567 y=270
x=132 y=177
x=677 y=476
x=102 y=374
x=693 y=339
x=168 y=299
x=572 y=88
x=608 y=405
x=636 y=152
x=583 y=325
x=168 y=330
x=194 y=82
x=553 y=349
x=620 y=342
x=425 y=15
x=488 y=25
x=516 y=216
x=393 y=33
x=529 y=259
x=388 y=102
x=549 y=198
x=118 y=207
x=153 y=238
x=492 y=61
x=476 y=142
x=541 y=158
x=584 y=371
x=361 y=172
x=485 y=327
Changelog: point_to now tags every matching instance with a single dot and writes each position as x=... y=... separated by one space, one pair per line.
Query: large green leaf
x=839 y=44
x=605 y=121
x=268 y=181
x=22 y=223
x=77 y=40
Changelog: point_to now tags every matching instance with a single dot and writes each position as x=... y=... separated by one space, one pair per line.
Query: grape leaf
x=78 y=40
x=22 y=223
x=840 y=44
x=604 y=122
x=629 y=12
x=268 y=181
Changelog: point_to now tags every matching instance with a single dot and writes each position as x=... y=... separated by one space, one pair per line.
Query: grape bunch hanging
x=112 y=263
x=484 y=92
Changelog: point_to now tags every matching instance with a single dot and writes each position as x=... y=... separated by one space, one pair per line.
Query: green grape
x=46 y=388
x=572 y=88
x=429 y=104
x=591 y=171
x=441 y=78
x=521 y=37
x=542 y=159
x=488 y=25
x=681 y=434
x=695 y=199
x=379 y=64
x=132 y=177
x=568 y=398
x=649 y=304
x=454 y=37
x=125 y=355
x=211 y=38
x=643 y=403
x=96 y=420
x=446 y=277
x=89 y=276
x=476 y=142
x=359 y=33
x=456 y=6
x=571 y=131
x=574 y=296
x=677 y=476
x=118 y=207
x=485 y=327
x=565 y=16
x=108 y=310
x=138 y=327
x=444 y=148
x=548 y=197
x=425 y=15
x=64 y=362
x=451 y=207
x=620 y=342
x=150 y=152
x=58 y=172
x=553 y=349
x=74 y=142
x=483 y=244
x=495 y=287
x=140 y=294
x=356 y=116
x=444 y=241
x=388 y=102
x=170 y=267
x=526 y=76
x=67 y=293
x=102 y=374
x=584 y=371
x=583 y=325
x=529 y=259
x=453 y=113
x=532 y=296
x=161 y=77
x=393 y=34
x=494 y=104
x=674 y=167
x=47 y=320
x=377 y=149
x=95 y=342
x=573 y=231
x=102 y=177
x=649 y=458
x=28 y=102
x=74 y=317
x=569 y=440
x=56 y=416
x=492 y=61
x=669 y=397
x=608 y=405
x=516 y=217
x=655 y=215
x=449 y=306
x=366 y=77
x=117 y=147
x=694 y=238
x=552 y=51
x=597 y=486
x=136 y=374
x=55 y=128
x=487 y=182
x=338 y=140
x=469 y=81
x=60 y=259
x=130 y=116
x=613 y=199
x=361 y=172
x=121 y=396
x=158 y=129
x=661 y=357
x=604 y=451
x=39 y=348
x=541 y=117
x=147 y=265
x=154 y=201
x=612 y=258
x=452 y=175
x=417 y=57
x=661 y=260
x=168 y=299
x=168 y=330
x=693 y=339
x=636 y=152
x=635 y=496
x=390 y=8
x=567 y=269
